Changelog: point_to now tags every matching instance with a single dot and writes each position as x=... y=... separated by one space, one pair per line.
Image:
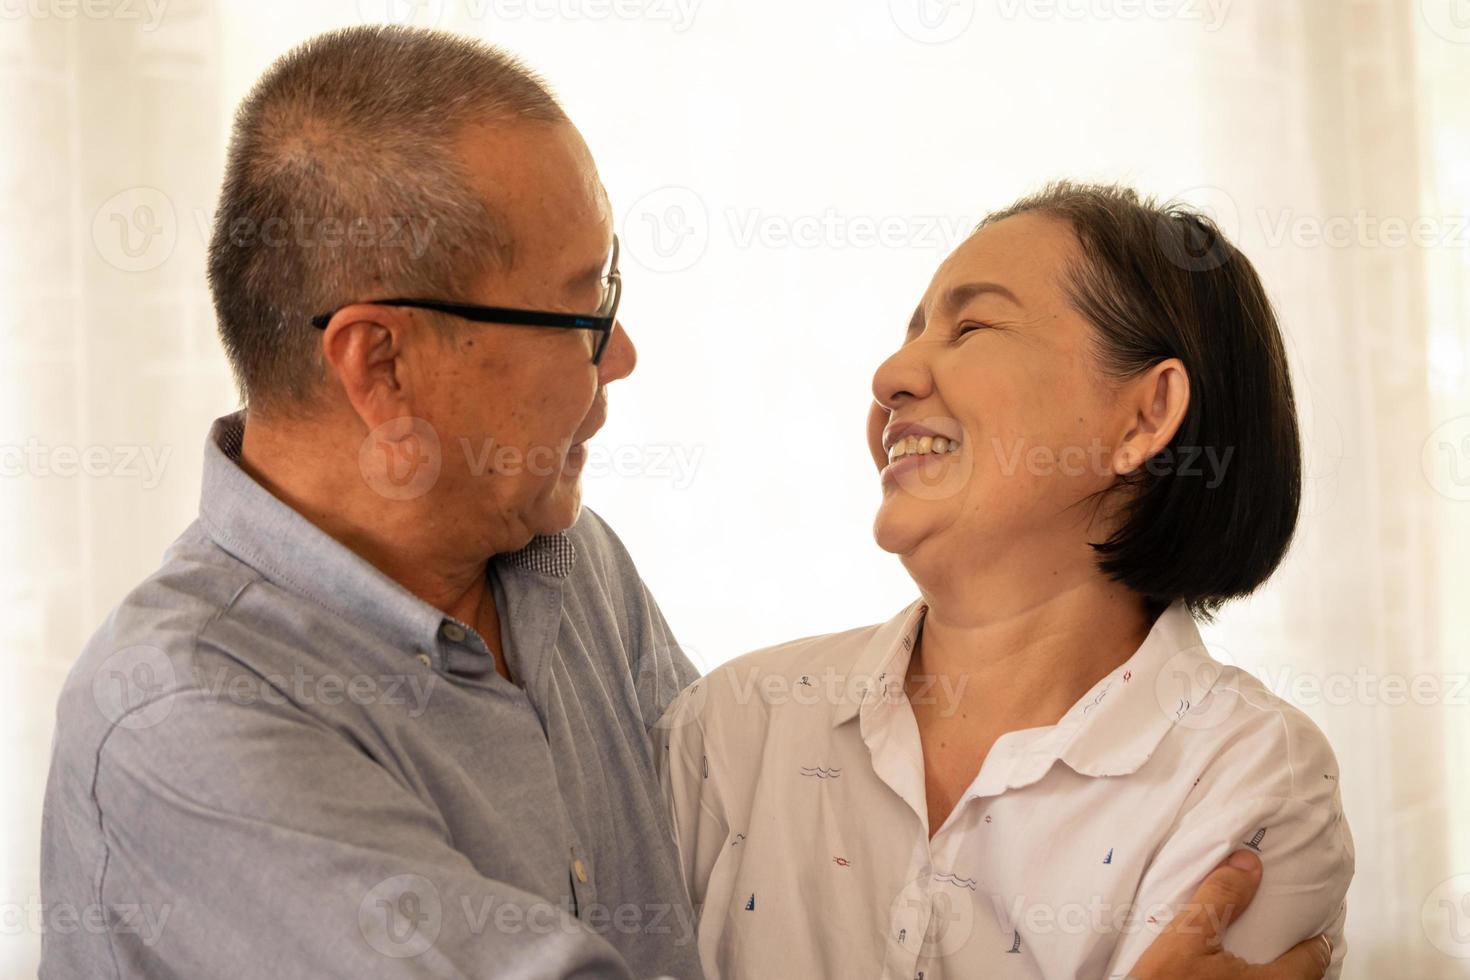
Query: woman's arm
x=1190 y=948
x=700 y=827
x=1272 y=789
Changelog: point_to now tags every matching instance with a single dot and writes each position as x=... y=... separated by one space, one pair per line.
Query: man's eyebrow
x=587 y=276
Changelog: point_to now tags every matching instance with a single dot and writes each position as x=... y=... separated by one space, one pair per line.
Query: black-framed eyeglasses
x=600 y=322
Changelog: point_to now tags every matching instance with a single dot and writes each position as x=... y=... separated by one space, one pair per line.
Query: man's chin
x=562 y=509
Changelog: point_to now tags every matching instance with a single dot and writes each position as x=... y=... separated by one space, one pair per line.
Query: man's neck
x=313 y=470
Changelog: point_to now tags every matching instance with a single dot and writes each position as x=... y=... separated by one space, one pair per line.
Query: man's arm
x=660 y=668
x=269 y=845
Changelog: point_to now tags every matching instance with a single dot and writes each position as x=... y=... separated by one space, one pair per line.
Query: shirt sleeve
x=663 y=670
x=1302 y=838
x=261 y=844
x=699 y=821
x=660 y=668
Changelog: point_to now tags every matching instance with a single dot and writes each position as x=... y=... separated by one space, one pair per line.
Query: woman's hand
x=1189 y=948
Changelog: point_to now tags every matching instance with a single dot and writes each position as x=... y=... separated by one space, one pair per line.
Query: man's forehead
x=539 y=180
x=529 y=163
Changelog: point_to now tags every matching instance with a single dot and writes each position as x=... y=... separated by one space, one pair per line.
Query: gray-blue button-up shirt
x=273 y=761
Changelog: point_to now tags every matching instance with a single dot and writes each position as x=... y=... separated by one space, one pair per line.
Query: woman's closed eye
x=970 y=326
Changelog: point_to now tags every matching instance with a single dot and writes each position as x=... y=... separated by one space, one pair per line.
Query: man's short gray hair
x=343 y=185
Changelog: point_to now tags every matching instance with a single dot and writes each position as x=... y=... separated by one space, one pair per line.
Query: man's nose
x=620 y=358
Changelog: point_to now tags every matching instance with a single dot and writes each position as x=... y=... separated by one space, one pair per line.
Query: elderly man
x=385 y=709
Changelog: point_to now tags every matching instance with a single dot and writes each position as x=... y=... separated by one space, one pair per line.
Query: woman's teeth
x=923 y=446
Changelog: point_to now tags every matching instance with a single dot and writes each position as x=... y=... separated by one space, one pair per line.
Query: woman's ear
x=1155 y=403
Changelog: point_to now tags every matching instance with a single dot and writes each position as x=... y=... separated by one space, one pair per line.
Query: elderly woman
x=1086 y=440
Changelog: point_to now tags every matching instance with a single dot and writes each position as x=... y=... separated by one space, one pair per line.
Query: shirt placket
x=892 y=738
x=534 y=633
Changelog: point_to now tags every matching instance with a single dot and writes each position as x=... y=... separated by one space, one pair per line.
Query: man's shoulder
x=145 y=648
x=600 y=552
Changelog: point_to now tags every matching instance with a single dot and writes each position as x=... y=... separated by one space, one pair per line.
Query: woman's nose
x=904 y=375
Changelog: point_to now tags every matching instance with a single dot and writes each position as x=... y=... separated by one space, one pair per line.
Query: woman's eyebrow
x=959 y=295
x=956 y=298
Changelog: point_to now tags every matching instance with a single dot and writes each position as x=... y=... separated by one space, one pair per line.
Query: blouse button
x=423 y=658
x=453 y=632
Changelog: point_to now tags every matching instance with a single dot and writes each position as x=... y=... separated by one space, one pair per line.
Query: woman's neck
x=1021 y=660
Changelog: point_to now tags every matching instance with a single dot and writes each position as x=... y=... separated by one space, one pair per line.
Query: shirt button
x=424 y=659
x=453 y=632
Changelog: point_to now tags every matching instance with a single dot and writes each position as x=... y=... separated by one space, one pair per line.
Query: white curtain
x=786 y=177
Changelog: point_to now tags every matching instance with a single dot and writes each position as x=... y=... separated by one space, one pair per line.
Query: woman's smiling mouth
x=922 y=446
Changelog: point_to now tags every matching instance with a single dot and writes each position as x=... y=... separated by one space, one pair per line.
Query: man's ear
x=364 y=349
x=1155 y=403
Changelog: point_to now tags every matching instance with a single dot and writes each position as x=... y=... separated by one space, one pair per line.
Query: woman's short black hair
x=1161 y=281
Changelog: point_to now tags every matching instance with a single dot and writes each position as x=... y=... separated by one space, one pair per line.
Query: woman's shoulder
x=1251 y=742
x=811 y=675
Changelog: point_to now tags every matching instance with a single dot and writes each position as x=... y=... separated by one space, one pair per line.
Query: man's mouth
x=597 y=418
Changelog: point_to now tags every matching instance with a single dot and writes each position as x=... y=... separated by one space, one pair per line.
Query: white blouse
x=796 y=779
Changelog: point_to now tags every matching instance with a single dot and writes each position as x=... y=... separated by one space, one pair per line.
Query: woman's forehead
x=1022 y=259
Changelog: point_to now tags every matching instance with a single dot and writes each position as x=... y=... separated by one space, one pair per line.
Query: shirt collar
x=882 y=662
x=1114 y=728
x=1110 y=731
x=257 y=528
